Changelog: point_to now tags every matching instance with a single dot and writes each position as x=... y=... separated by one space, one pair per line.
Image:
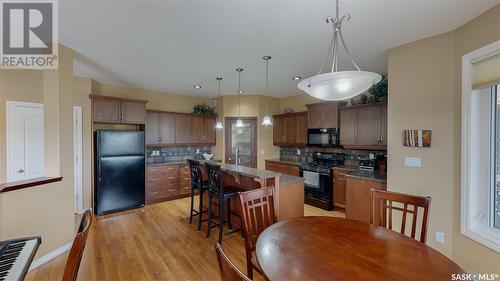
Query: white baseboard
x=41 y=260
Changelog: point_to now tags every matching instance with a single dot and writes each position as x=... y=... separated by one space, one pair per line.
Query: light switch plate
x=440 y=237
x=262 y=151
x=413 y=162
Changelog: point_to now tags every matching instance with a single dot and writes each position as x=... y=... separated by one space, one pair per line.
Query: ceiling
x=172 y=45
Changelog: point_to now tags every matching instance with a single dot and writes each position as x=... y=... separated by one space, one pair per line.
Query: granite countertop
x=159 y=164
x=257 y=173
x=290 y=162
x=346 y=167
x=368 y=175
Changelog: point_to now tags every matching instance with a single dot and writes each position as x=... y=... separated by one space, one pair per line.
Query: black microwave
x=323 y=137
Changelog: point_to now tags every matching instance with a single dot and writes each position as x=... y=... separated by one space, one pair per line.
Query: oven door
x=316 y=183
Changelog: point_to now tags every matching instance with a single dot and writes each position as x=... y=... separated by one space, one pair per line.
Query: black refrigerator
x=119 y=171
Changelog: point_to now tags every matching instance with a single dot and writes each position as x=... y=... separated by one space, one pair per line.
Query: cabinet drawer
x=157 y=194
x=185 y=189
x=294 y=171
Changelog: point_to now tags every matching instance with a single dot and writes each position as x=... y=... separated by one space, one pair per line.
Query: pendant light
x=218 y=124
x=338 y=85
x=239 y=122
x=266 y=121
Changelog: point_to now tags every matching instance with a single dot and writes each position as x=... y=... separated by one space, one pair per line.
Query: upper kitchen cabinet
x=322 y=115
x=364 y=127
x=167 y=128
x=290 y=129
x=117 y=110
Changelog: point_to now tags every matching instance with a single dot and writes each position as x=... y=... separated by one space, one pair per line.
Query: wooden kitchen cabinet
x=284 y=168
x=118 y=110
x=364 y=127
x=358 y=198
x=162 y=182
x=339 y=187
x=167 y=129
x=184 y=179
x=290 y=129
x=183 y=129
x=322 y=115
x=152 y=128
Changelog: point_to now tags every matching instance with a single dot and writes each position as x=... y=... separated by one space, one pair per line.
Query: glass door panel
x=241 y=142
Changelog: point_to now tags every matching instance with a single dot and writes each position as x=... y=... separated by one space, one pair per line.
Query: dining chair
x=197 y=184
x=224 y=194
x=228 y=271
x=76 y=252
x=257 y=208
x=382 y=207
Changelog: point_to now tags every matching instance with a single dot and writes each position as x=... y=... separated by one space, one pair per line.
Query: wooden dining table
x=327 y=248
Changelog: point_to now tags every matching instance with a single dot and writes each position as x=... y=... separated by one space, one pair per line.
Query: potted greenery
x=203 y=109
x=379 y=91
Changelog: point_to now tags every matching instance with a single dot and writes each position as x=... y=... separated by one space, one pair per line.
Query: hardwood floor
x=152 y=243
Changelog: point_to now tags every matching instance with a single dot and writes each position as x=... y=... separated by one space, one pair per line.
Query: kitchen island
x=288 y=193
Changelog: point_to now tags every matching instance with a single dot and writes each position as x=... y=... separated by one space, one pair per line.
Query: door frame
x=78 y=158
x=8 y=130
x=227 y=136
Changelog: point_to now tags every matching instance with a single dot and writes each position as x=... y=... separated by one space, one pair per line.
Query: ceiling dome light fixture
x=338 y=85
x=296 y=78
x=266 y=121
x=218 y=124
x=239 y=122
x=197 y=86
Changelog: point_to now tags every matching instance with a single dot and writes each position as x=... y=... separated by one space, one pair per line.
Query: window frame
x=470 y=226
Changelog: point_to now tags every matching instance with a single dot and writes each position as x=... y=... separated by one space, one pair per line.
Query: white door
x=77 y=138
x=25 y=141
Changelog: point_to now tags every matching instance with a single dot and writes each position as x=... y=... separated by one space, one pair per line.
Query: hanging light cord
x=267 y=87
x=239 y=93
x=219 y=79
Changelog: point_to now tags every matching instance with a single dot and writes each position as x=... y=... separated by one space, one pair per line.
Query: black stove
x=318 y=179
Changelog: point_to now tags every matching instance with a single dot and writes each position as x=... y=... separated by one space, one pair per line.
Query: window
x=495 y=91
x=480 y=139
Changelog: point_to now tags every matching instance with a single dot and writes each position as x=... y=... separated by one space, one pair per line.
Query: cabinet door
x=294 y=171
x=184 y=180
x=339 y=191
x=208 y=131
x=106 y=110
x=279 y=131
x=291 y=124
x=358 y=198
x=133 y=112
x=330 y=115
x=348 y=127
x=196 y=132
x=315 y=116
x=302 y=129
x=368 y=129
x=152 y=128
x=183 y=129
x=383 y=125
x=167 y=128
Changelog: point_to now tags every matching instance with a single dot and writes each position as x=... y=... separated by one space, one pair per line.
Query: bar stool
x=196 y=184
x=224 y=194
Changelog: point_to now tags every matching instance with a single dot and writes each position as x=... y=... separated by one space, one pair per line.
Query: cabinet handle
x=170 y=190
x=153 y=193
x=170 y=178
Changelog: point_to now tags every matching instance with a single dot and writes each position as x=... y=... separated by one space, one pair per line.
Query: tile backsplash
x=351 y=157
x=175 y=154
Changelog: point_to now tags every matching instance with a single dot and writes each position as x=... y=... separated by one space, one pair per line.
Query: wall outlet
x=413 y=162
x=440 y=237
x=262 y=151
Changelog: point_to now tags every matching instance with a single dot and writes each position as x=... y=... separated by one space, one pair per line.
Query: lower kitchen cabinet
x=339 y=188
x=284 y=168
x=167 y=182
x=358 y=198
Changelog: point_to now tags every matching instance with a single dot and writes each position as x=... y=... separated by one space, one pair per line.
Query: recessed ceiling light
x=297 y=78
x=240 y=92
x=197 y=86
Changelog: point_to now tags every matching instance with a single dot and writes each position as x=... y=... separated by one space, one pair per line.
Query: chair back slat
x=257 y=207
x=76 y=252
x=196 y=178
x=228 y=271
x=215 y=181
x=383 y=205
